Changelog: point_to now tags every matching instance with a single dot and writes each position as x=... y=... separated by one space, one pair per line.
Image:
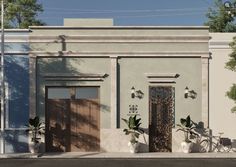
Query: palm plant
x=133 y=128
x=187 y=126
x=36 y=129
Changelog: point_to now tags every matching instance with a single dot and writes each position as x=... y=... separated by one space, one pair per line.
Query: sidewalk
x=96 y=155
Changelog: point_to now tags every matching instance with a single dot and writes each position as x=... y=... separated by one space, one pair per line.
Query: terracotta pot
x=186 y=147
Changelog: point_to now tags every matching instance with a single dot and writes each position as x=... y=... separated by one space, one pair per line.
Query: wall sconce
x=139 y=94
x=189 y=93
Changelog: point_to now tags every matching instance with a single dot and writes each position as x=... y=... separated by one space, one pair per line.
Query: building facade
x=81 y=79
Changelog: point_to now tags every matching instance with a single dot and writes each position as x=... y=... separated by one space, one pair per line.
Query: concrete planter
x=133 y=147
x=34 y=147
x=186 y=147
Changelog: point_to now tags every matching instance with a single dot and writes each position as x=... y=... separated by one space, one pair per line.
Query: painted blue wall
x=17 y=76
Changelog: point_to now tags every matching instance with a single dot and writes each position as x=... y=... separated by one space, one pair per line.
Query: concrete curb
x=94 y=155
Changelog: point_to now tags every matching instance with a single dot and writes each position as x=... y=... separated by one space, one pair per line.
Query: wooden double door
x=72 y=119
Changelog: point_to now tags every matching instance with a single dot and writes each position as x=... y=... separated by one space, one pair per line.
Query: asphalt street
x=166 y=162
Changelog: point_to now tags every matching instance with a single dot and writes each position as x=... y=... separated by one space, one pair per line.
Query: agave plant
x=187 y=126
x=36 y=129
x=133 y=128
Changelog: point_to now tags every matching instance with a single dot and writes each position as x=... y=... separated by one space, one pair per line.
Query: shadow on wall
x=218 y=143
x=144 y=147
x=16 y=141
x=17 y=77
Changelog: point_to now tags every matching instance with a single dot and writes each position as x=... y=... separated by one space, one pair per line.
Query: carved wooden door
x=161 y=118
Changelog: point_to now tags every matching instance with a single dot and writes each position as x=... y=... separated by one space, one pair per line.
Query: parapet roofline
x=120 y=27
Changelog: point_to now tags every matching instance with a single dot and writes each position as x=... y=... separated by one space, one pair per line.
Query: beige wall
x=221 y=118
x=137 y=51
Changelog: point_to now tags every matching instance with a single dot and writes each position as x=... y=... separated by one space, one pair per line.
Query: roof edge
x=16 y=30
x=120 y=27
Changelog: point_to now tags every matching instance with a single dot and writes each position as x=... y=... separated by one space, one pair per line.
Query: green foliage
x=22 y=13
x=187 y=126
x=231 y=65
x=232 y=95
x=134 y=129
x=221 y=19
x=35 y=128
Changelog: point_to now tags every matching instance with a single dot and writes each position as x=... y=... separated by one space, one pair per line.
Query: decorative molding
x=16 y=53
x=118 y=39
x=16 y=38
x=161 y=77
x=73 y=77
x=219 y=45
x=196 y=54
x=161 y=81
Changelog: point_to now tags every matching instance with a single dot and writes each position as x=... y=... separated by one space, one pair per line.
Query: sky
x=129 y=12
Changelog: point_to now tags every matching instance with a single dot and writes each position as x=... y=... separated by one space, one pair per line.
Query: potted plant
x=134 y=131
x=186 y=125
x=35 y=130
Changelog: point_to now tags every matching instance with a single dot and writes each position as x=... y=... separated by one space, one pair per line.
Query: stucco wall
x=132 y=73
x=75 y=67
x=133 y=51
x=221 y=79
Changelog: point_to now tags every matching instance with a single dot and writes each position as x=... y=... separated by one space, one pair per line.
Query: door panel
x=85 y=132
x=57 y=126
x=161 y=113
x=73 y=124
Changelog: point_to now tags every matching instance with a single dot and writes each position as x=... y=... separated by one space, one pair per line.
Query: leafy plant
x=22 y=13
x=231 y=65
x=220 y=18
x=232 y=95
x=133 y=128
x=187 y=126
x=36 y=129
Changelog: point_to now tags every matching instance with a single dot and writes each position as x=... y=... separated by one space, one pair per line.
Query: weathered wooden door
x=57 y=125
x=85 y=120
x=73 y=119
x=161 y=116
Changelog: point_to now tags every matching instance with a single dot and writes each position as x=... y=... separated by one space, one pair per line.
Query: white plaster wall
x=220 y=117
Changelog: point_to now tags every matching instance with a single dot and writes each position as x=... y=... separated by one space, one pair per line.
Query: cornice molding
x=118 y=39
x=219 y=44
x=16 y=38
x=16 y=53
x=196 y=54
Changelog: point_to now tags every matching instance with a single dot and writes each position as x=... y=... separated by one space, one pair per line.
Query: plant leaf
x=183 y=122
x=126 y=121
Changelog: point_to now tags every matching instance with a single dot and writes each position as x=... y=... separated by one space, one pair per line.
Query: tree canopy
x=220 y=18
x=231 y=65
x=22 y=13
